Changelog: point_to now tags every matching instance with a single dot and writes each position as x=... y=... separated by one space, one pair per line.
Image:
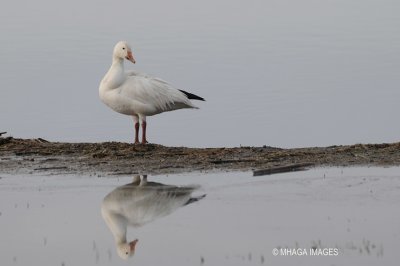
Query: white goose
x=139 y=203
x=139 y=95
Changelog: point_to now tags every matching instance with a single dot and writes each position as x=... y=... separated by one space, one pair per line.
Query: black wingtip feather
x=192 y=96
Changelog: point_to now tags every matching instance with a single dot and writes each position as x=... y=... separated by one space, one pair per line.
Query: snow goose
x=139 y=203
x=139 y=95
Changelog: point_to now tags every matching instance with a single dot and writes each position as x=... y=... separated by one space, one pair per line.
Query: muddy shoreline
x=38 y=156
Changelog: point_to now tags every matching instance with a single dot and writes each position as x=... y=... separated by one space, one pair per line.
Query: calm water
x=57 y=220
x=282 y=73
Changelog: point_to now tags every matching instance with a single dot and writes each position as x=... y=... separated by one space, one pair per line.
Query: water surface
x=281 y=73
x=57 y=220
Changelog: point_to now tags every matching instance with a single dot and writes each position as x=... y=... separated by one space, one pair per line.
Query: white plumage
x=139 y=95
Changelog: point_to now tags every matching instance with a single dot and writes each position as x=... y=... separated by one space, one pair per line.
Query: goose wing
x=154 y=93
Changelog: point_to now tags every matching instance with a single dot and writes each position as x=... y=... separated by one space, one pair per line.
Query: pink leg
x=136 y=121
x=137 y=133
x=144 y=140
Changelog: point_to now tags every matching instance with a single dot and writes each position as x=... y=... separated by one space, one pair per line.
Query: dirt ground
x=38 y=156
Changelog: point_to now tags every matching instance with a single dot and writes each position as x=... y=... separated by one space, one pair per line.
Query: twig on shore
x=283 y=169
x=50 y=168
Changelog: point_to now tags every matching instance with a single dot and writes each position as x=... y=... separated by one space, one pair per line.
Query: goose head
x=123 y=50
x=126 y=250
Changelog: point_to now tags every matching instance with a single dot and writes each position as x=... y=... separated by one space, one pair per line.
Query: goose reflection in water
x=138 y=203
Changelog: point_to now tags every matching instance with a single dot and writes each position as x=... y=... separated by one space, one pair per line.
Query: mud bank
x=38 y=156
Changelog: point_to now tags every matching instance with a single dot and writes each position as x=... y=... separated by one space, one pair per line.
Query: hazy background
x=284 y=73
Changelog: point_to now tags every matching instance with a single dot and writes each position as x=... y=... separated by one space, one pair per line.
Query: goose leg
x=136 y=121
x=144 y=140
x=144 y=124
